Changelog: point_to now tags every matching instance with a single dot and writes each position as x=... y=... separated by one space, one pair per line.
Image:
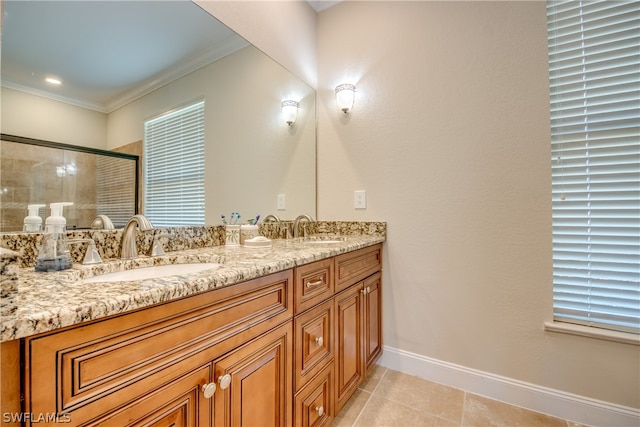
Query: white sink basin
x=153 y=272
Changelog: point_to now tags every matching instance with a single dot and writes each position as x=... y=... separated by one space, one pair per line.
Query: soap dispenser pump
x=33 y=222
x=54 y=255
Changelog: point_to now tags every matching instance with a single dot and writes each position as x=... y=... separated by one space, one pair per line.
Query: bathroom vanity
x=280 y=336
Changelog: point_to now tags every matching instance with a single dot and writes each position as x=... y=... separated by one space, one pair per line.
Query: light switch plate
x=360 y=199
x=281 y=204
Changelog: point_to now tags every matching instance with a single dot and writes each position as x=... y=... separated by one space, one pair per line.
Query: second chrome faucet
x=129 y=247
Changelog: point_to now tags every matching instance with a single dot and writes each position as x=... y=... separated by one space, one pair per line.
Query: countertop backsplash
x=108 y=242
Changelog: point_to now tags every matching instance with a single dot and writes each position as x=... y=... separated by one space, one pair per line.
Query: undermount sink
x=153 y=272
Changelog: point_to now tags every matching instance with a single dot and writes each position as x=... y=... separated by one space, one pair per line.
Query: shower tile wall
x=31 y=174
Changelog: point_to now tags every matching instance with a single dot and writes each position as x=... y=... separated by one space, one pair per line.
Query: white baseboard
x=557 y=403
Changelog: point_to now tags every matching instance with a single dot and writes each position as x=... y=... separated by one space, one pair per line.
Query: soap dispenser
x=54 y=255
x=33 y=222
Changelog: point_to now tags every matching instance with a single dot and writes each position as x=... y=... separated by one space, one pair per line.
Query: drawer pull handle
x=320 y=410
x=320 y=341
x=314 y=284
x=224 y=381
x=208 y=390
x=366 y=290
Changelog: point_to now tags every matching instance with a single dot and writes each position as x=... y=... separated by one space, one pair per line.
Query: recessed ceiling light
x=53 y=81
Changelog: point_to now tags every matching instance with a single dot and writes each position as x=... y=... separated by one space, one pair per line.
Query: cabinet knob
x=208 y=390
x=363 y=291
x=224 y=381
x=320 y=410
x=319 y=341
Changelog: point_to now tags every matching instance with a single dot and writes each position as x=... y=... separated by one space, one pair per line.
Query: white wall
x=36 y=117
x=284 y=30
x=450 y=137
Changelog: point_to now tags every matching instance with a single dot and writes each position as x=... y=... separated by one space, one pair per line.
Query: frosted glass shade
x=345 y=93
x=289 y=111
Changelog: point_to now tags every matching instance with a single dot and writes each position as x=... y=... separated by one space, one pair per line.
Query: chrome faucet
x=129 y=249
x=296 y=222
x=271 y=218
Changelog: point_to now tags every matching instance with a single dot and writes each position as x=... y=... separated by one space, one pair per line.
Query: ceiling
x=107 y=53
x=320 y=5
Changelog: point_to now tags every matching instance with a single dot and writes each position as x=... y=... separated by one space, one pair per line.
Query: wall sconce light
x=290 y=111
x=345 y=94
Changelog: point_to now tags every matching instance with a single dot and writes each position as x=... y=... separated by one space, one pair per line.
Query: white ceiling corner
x=320 y=5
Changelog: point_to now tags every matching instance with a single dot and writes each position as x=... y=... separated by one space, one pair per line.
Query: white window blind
x=594 y=70
x=115 y=193
x=174 y=167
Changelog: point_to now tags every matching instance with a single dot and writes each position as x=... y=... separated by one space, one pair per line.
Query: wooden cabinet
x=346 y=318
x=135 y=361
x=354 y=266
x=314 y=404
x=286 y=349
x=372 y=324
x=315 y=344
x=254 y=382
x=180 y=403
x=349 y=367
x=314 y=347
x=314 y=284
x=358 y=319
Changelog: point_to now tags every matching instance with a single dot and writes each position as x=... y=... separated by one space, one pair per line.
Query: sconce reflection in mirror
x=345 y=93
x=289 y=111
x=64 y=170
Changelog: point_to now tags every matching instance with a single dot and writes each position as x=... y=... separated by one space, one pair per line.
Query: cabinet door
x=372 y=335
x=254 y=382
x=314 y=404
x=181 y=403
x=349 y=366
x=314 y=343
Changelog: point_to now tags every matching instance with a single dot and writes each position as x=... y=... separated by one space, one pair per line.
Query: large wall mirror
x=160 y=56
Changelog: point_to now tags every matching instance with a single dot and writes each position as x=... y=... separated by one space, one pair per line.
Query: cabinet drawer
x=88 y=369
x=314 y=404
x=357 y=265
x=314 y=342
x=314 y=284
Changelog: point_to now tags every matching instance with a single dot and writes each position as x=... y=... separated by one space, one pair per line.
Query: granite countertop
x=48 y=301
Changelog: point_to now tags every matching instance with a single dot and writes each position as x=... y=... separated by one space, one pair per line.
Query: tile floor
x=389 y=398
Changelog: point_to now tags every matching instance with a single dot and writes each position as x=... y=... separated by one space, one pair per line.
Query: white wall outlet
x=360 y=199
x=282 y=202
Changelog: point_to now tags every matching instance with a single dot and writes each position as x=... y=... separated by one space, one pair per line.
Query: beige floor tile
x=480 y=411
x=371 y=381
x=426 y=396
x=352 y=409
x=381 y=412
